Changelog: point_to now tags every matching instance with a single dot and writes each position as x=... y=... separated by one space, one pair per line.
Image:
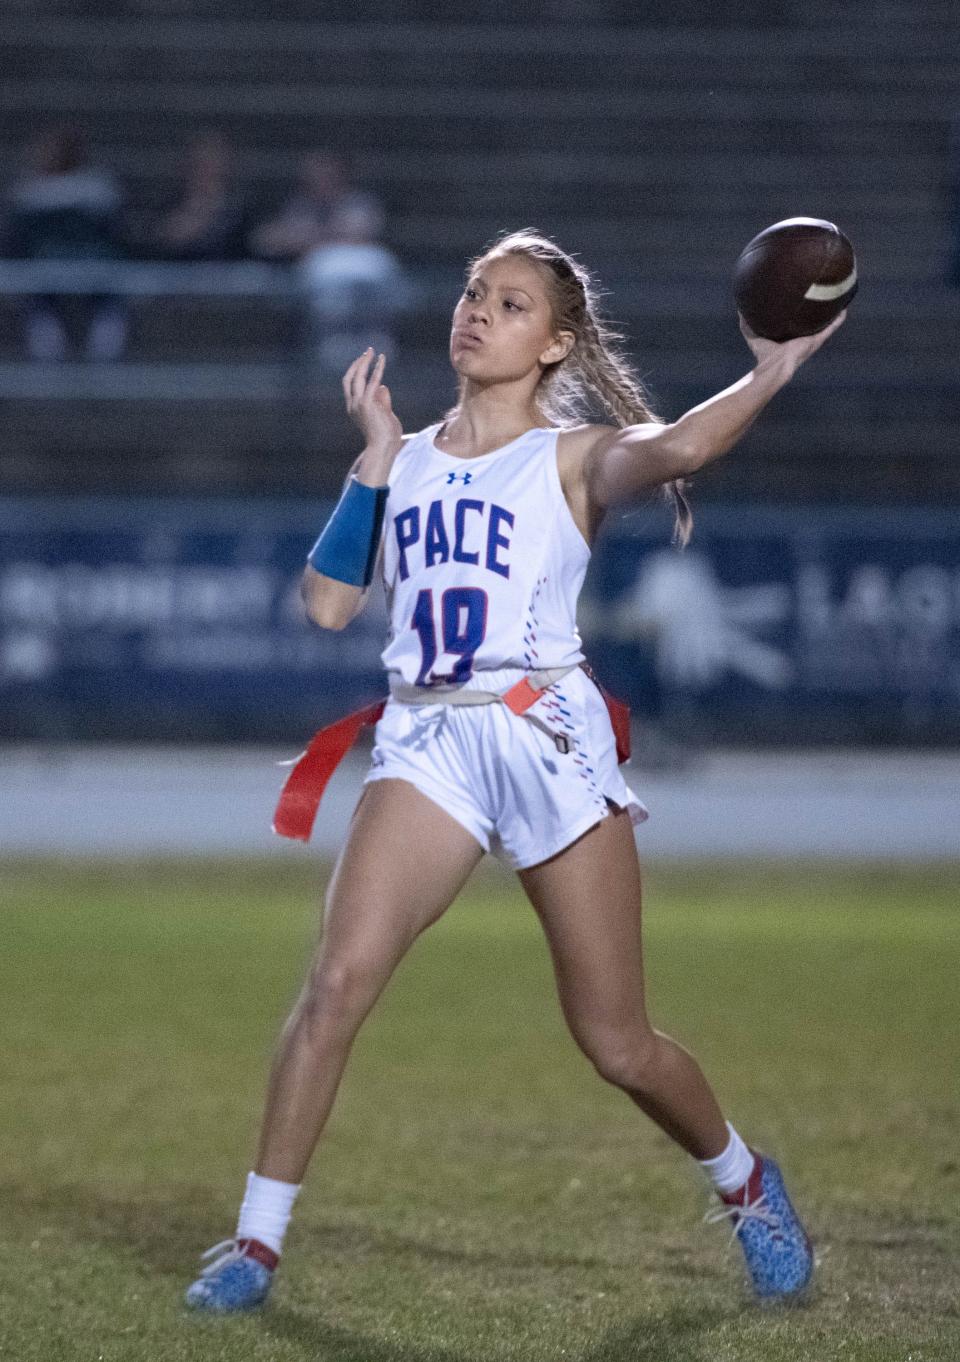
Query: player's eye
x=470 y=294
x=511 y=305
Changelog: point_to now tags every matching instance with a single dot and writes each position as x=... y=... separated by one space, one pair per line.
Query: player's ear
x=558 y=349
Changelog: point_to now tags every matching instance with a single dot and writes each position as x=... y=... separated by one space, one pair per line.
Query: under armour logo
x=465 y=478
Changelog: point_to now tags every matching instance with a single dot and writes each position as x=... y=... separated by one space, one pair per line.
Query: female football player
x=494 y=737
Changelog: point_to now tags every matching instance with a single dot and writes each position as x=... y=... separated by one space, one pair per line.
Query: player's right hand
x=794 y=351
x=369 y=405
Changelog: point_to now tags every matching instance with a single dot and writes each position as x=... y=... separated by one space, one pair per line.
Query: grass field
x=480 y=1196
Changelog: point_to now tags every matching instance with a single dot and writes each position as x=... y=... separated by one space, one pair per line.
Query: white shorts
x=501 y=776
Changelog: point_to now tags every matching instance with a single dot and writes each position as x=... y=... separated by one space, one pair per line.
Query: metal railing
x=277 y=376
x=285 y=372
x=136 y=278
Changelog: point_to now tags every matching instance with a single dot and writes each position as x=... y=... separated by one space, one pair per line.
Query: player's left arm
x=621 y=465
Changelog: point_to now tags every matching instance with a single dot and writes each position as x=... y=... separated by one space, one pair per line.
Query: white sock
x=731 y=1169
x=266 y=1210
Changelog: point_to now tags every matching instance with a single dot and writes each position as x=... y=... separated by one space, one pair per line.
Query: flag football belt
x=518 y=699
x=310 y=774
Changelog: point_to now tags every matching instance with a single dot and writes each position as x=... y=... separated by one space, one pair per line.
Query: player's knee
x=624 y=1058
x=337 y=990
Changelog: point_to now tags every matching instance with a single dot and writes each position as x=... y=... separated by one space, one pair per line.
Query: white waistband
x=462 y=695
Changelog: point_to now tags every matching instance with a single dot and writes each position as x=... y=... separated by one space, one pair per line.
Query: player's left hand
x=369 y=405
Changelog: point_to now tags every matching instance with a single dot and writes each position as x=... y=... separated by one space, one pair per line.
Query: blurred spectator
x=355 y=283
x=308 y=218
x=68 y=209
x=207 y=223
x=356 y=288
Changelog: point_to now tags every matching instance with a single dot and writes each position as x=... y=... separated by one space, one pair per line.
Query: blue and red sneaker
x=239 y=1279
x=778 y=1253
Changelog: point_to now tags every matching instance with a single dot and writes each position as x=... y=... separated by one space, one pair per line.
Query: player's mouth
x=471 y=339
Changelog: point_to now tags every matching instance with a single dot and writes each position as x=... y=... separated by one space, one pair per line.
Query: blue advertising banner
x=805 y=624
x=181 y=620
x=169 y=620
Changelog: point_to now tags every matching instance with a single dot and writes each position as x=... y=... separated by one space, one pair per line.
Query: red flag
x=619 y=712
x=304 y=786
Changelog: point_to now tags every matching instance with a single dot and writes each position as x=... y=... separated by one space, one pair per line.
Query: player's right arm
x=336 y=596
x=622 y=465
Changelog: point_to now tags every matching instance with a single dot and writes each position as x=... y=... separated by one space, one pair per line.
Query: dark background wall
x=653 y=139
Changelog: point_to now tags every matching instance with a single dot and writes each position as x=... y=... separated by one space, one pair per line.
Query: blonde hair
x=595 y=368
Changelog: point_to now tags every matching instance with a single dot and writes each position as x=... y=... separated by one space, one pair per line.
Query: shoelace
x=229 y=1250
x=755 y=1210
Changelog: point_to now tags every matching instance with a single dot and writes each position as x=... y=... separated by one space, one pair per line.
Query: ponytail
x=606 y=373
x=595 y=370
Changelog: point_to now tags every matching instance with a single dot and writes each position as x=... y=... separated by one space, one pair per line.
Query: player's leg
x=383 y=893
x=588 y=899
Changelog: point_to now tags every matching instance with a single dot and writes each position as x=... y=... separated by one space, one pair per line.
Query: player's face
x=503 y=326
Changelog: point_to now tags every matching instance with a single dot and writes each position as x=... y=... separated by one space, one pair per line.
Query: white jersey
x=482 y=561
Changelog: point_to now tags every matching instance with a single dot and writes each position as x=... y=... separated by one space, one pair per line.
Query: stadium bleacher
x=709 y=132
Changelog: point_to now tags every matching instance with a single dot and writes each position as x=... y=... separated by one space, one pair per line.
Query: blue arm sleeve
x=347 y=548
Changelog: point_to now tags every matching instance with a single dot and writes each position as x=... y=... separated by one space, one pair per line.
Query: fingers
x=819 y=337
x=351 y=376
x=816 y=338
x=373 y=383
x=360 y=383
x=355 y=379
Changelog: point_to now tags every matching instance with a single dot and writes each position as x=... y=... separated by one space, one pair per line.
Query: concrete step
x=668 y=332
x=668 y=250
x=655 y=193
x=627 y=108
x=263 y=118
x=253 y=426
x=552 y=15
x=922 y=39
x=686 y=173
x=370 y=54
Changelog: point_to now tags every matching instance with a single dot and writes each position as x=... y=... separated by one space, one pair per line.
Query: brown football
x=794 y=277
